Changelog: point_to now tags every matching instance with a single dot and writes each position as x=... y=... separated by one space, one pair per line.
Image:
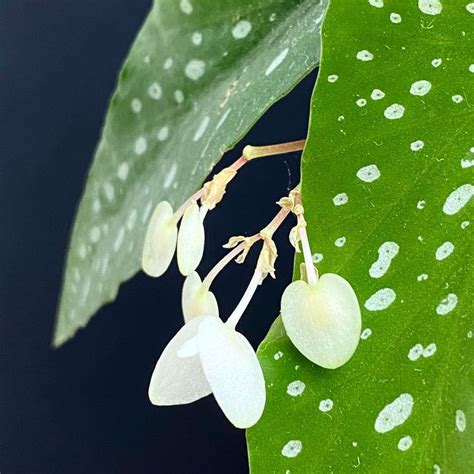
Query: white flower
x=190 y=240
x=196 y=299
x=322 y=319
x=160 y=240
x=209 y=356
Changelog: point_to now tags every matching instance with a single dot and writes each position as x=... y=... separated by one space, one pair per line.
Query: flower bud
x=190 y=240
x=160 y=240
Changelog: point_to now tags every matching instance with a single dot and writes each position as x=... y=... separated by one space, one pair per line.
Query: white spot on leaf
x=195 y=69
x=377 y=94
x=295 y=388
x=155 y=91
x=186 y=7
x=461 y=421
x=380 y=300
x=140 y=146
x=241 y=29
x=405 y=443
x=276 y=62
x=395 y=18
x=420 y=88
x=326 y=405
x=364 y=55
x=430 y=7
x=292 y=448
x=387 y=251
x=163 y=134
x=444 y=250
x=340 y=199
x=447 y=304
x=136 y=105
x=394 y=414
x=394 y=112
x=458 y=199
x=201 y=129
x=368 y=173
x=417 y=145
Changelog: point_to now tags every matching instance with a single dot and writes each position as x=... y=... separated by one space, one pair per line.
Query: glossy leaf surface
x=387 y=187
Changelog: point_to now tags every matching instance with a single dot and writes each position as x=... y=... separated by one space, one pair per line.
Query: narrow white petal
x=196 y=300
x=177 y=380
x=322 y=320
x=190 y=240
x=233 y=372
x=160 y=241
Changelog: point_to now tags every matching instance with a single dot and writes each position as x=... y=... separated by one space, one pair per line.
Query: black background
x=84 y=408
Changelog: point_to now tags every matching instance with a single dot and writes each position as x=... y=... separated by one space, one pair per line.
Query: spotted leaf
x=199 y=74
x=386 y=188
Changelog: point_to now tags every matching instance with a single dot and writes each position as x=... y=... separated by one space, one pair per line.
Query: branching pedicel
x=321 y=315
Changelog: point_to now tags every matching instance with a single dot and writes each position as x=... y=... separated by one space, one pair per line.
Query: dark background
x=84 y=408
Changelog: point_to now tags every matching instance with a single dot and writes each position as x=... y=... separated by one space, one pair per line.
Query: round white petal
x=178 y=378
x=233 y=372
x=190 y=240
x=196 y=300
x=160 y=240
x=322 y=320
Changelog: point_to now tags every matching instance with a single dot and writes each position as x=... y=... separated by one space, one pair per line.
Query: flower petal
x=196 y=300
x=322 y=320
x=160 y=240
x=233 y=372
x=178 y=377
x=190 y=240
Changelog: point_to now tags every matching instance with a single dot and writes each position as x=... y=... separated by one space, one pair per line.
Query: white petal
x=160 y=240
x=176 y=379
x=233 y=372
x=196 y=300
x=322 y=320
x=190 y=240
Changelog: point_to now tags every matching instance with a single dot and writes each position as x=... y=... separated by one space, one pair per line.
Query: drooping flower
x=196 y=299
x=321 y=315
x=322 y=319
x=160 y=240
x=191 y=238
x=209 y=356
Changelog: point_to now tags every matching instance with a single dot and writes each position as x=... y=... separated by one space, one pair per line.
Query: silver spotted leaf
x=198 y=76
x=387 y=188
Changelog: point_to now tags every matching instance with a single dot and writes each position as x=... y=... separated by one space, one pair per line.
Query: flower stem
x=181 y=210
x=220 y=265
x=308 y=259
x=244 y=302
x=252 y=152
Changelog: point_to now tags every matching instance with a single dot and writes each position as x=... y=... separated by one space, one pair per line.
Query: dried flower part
x=197 y=300
x=160 y=240
x=232 y=369
x=214 y=190
x=239 y=239
x=190 y=240
x=295 y=238
x=268 y=256
x=234 y=241
x=292 y=202
x=322 y=319
x=176 y=379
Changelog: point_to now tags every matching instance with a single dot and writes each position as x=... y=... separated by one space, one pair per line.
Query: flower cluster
x=321 y=315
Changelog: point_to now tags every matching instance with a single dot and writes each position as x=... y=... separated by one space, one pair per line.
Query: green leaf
x=386 y=190
x=198 y=76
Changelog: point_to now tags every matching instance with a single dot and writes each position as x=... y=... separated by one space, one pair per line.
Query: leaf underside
x=196 y=79
x=386 y=196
